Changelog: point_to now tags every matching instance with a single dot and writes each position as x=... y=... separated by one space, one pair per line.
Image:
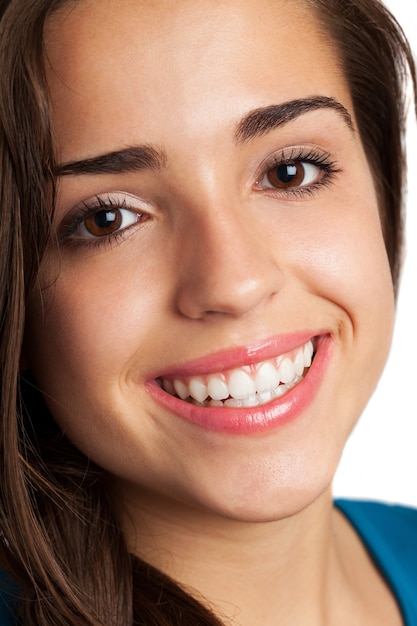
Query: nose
x=225 y=267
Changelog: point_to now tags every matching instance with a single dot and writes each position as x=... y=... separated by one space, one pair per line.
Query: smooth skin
x=218 y=259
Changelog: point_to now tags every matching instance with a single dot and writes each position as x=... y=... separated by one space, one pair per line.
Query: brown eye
x=295 y=174
x=105 y=222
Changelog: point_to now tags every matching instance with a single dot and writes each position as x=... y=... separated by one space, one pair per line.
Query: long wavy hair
x=60 y=541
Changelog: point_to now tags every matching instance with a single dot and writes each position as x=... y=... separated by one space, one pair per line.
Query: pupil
x=286 y=173
x=103 y=219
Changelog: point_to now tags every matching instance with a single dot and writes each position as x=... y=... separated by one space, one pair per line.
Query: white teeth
x=286 y=370
x=215 y=403
x=299 y=363
x=181 y=389
x=247 y=386
x=233 y=403
x=217 y=388
x=279 y=391
x=241 y=385
x=253 y=400
x=198 y=390
x=267 y=377
x=308 y=353
x=265 y=397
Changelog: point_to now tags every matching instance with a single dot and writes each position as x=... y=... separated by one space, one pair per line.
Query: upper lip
x=240 y=356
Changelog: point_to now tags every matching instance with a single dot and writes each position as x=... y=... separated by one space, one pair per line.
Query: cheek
x=341 y=256
x=92 y=323
x=351 y=269
x=338 y=257
x=81 y=340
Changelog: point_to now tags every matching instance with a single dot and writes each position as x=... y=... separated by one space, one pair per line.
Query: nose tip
x=225 y=269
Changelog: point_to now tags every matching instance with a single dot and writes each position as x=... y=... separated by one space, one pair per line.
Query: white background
x=380 y=459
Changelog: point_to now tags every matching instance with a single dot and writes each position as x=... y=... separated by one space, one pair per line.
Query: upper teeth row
x=244 y=382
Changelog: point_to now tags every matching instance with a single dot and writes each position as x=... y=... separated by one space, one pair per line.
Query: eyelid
x=307 y=153
x=103 y=201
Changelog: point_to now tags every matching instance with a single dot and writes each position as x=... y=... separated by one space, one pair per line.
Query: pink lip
x=225 y=360
x=248 y=420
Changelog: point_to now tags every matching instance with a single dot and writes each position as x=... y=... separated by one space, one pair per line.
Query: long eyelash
x=313 y=156
x=87 y=209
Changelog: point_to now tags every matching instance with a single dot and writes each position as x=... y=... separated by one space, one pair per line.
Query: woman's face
x=216 y=219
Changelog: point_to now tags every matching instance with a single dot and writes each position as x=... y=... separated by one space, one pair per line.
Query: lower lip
x=244 y=421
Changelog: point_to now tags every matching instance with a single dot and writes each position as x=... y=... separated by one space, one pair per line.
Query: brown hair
x=59 y=538
x=376 y=60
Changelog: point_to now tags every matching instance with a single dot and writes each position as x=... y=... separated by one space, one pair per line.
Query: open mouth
x=246 y=386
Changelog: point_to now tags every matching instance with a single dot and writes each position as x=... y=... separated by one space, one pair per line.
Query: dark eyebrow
x=260 y=121
x=132 y=159
x=255 y=123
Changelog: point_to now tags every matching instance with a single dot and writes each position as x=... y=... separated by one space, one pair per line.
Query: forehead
x=157 y=65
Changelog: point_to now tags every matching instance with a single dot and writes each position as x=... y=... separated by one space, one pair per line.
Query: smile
x=247 y=386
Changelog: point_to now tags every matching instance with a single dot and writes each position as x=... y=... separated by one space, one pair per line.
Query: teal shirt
x=389 y=532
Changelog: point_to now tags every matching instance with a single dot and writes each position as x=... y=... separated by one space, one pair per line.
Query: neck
x=280 y=572
x=310 y=569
